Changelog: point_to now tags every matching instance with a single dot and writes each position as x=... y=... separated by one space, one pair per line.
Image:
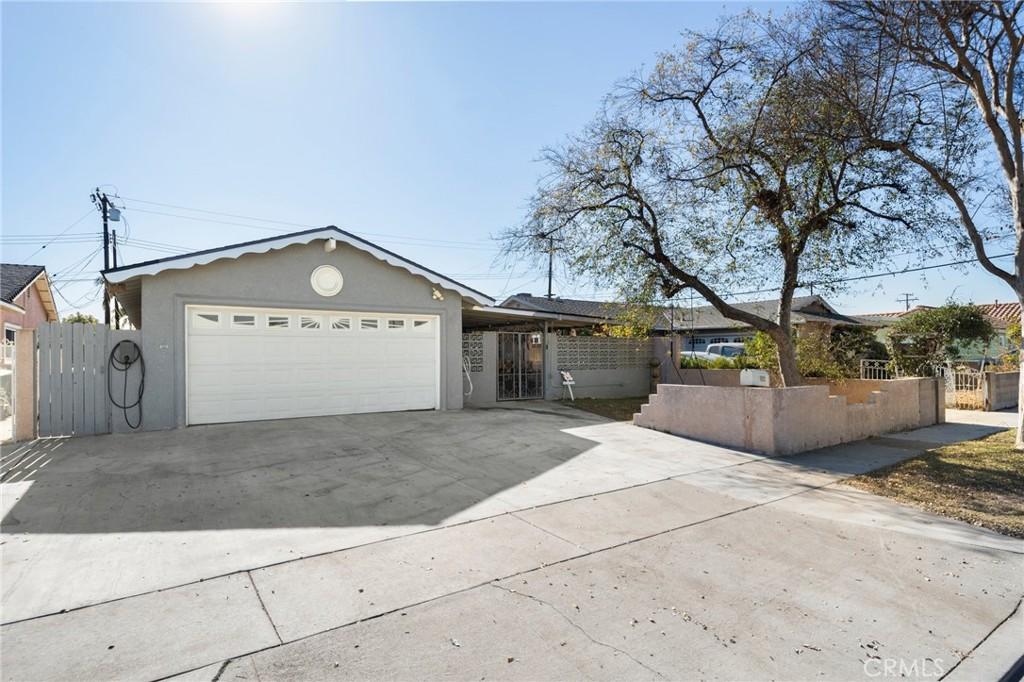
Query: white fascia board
x=542 y=314
x=12 y=306
x=188 y=261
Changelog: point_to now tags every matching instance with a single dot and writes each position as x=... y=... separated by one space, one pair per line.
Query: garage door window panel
x=245 y=321
x=203 y=320
x=278 y=321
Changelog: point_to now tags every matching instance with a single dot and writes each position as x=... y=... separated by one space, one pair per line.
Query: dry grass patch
x=980 y=482
x=619 y=409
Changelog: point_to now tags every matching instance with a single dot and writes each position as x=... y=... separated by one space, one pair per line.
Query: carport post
x=24 y=386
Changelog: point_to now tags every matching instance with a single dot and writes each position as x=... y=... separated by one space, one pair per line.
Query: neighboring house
x=25 y=300
x=318 y=322
x=699 y=326
x=1000 y=315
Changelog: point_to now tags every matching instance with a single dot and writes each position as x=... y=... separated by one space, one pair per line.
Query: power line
x=84 y=216
x=282 y=222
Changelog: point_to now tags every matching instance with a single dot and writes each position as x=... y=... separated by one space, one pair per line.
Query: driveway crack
x=264 y=607
x=579 y=627
x=984 y=639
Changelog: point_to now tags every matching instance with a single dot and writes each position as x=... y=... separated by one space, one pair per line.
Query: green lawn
x=619 y=409
x=980 y=482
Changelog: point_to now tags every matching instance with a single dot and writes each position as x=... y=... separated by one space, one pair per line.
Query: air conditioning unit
x=755 y=377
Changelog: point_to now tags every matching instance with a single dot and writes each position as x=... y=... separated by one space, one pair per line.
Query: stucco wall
x=781 y=421
x=281 y=279
x=34 y=313
x=1001 y=390
x=702 y=377
x=608 y=383
x=854 y=390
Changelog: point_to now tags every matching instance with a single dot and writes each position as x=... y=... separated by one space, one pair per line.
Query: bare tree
x=722 y=168
x=950 y=103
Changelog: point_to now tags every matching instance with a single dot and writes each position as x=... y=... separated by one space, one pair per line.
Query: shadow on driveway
x=415 y=468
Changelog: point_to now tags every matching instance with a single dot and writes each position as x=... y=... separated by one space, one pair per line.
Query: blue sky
x=416 y=125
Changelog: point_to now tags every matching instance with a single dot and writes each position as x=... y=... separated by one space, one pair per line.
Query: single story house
x=25 y=299
x=698 y=326
x=1000 y=315
x=322 y=322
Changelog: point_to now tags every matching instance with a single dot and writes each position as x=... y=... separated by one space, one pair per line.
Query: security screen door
x=520 y=365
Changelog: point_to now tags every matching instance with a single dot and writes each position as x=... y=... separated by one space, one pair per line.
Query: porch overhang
x=480 y=318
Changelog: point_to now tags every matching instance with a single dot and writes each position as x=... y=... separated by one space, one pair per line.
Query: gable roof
x=999 y=314
x=15 y=278
x=152 y=267
x=805 y=309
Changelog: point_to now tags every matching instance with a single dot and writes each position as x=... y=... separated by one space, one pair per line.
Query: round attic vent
x=326 y=280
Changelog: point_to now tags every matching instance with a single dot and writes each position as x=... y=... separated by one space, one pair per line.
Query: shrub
x=820 y=352
x=936 y=336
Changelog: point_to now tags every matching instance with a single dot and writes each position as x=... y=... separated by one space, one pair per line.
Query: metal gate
x=520 y=365
x=965 y=388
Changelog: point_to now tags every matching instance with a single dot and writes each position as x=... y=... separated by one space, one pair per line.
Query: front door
x=520 y=366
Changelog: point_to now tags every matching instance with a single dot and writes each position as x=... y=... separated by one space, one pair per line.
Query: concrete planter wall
x=1001 y=390
x=784 y=421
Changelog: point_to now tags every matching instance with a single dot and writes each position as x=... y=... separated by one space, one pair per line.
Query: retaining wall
x=783 y=421
x=1001 y=390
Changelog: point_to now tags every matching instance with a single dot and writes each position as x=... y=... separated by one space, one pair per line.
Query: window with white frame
x=243 y=321
x=309 y=322
x=369 y=323
x=278 y=321
x=341 y=323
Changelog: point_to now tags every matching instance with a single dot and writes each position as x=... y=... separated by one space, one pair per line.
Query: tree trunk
x=1019 y=444
x=786 y=351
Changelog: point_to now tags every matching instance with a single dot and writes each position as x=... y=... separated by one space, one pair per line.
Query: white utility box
x=754 y=377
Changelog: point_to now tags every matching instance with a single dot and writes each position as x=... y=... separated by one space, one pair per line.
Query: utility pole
x=103 y=203
x=905 y=299
x=113 y=254
x=551 y=257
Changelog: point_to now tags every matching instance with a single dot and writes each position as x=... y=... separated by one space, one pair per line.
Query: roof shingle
x=14 y=278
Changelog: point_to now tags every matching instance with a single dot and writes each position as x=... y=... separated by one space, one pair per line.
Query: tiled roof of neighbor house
x=14 y=278
x=1004 y=312
x=999 y=314
x=805 y=309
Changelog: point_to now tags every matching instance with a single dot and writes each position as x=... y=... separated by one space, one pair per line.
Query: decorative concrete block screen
x=602 y=352
x=473 y=349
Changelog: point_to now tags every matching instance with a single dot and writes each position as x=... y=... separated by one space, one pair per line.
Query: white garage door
x=245 y=364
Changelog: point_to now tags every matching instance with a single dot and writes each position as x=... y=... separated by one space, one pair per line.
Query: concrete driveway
x=529 y=542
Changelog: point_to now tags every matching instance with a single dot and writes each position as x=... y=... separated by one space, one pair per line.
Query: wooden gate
x=73 y=379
